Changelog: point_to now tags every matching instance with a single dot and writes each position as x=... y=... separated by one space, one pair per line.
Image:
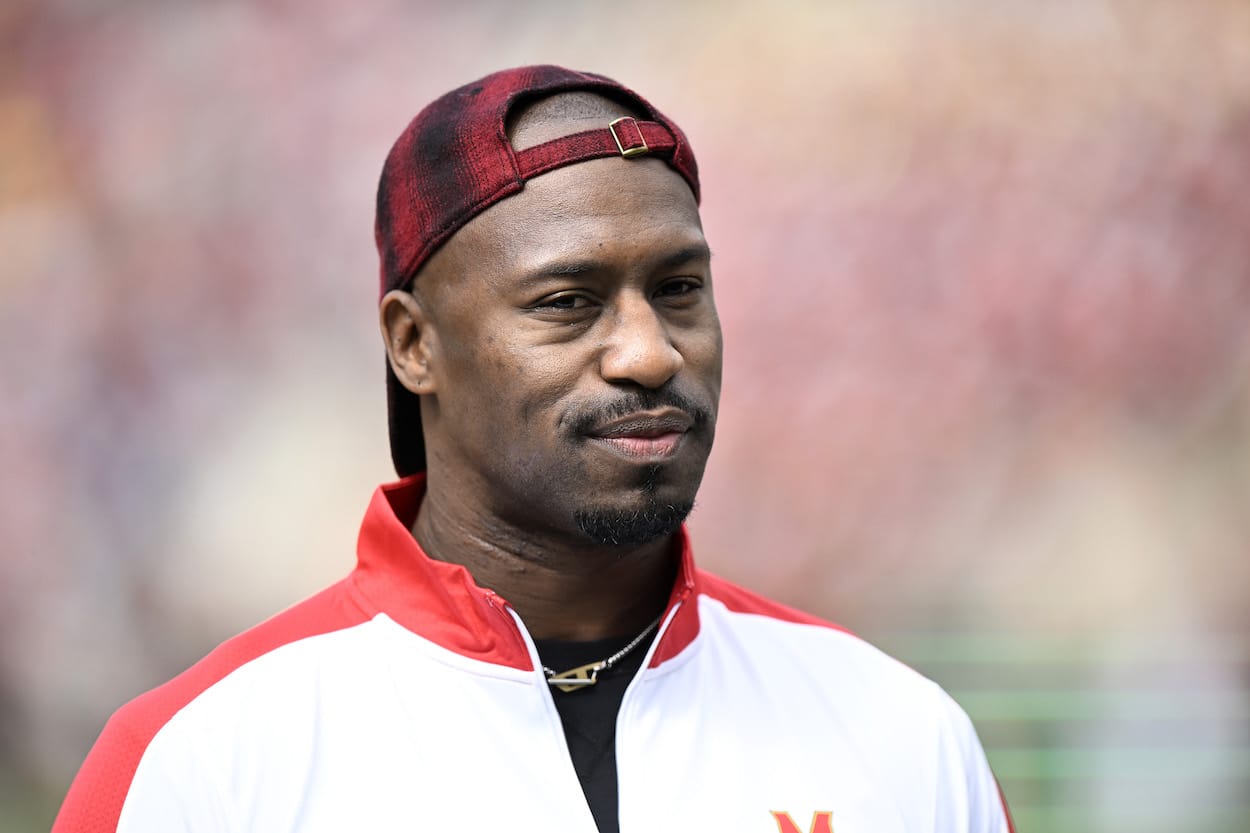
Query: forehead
x=622 y=211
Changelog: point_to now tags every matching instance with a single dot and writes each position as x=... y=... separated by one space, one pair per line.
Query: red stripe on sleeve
x=95 y=799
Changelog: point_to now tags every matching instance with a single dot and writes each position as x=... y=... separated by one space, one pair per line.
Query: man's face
x=575 y=353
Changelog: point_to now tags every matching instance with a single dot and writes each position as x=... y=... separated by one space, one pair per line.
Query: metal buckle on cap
x=633 y=149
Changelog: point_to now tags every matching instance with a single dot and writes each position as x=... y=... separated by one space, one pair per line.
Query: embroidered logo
x=822 y=822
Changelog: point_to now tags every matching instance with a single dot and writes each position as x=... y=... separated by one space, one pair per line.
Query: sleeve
x=971 y=800
x=135 y=779
x=167 y=761
x=95 y=798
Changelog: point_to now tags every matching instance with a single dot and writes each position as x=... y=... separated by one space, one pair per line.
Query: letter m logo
x=822 y=822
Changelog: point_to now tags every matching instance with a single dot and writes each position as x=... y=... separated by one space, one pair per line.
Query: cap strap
x=633 y=139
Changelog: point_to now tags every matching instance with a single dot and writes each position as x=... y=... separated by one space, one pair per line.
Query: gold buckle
x=639 y=151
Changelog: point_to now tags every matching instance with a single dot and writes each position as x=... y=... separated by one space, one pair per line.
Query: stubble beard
x=654 y=520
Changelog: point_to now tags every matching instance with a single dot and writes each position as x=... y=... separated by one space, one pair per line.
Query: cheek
x=518 y=389
x=703 y=354
x=545 y=388
x=480 y=355
x=477 y=385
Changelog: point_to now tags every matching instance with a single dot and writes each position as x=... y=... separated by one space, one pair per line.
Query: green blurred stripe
x=1116 y=764
x=965 y=648
x=1056 y=819
x=1083 y=704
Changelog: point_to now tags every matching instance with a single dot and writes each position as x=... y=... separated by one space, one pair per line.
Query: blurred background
x=984 y=273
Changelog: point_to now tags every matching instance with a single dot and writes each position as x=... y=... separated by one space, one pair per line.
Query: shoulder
x=906 y=728
x=788 y=632
x=824 y=665
x=738 y=599
x=96 y=797
x=332 y=610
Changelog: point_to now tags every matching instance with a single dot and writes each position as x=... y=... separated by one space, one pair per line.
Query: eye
x=563 y=301
x=678 y=287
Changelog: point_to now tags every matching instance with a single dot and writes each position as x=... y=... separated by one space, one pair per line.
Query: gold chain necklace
x=584 y=676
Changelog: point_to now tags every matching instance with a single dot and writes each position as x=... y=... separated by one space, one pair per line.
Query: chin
x=623 y=527
x=651 y=507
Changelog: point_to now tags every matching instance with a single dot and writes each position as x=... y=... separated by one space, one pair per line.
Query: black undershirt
x=589 y=716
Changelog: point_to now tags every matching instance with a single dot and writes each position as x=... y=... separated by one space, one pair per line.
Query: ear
x=409 y=339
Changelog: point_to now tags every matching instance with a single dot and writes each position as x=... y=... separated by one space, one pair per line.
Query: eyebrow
x=695 y=251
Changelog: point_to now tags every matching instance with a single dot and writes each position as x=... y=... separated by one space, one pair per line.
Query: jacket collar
x=442 y=603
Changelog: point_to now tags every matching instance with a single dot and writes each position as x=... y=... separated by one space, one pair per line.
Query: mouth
x=647 y=435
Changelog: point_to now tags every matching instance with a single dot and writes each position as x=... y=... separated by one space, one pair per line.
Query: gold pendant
x=580 y=677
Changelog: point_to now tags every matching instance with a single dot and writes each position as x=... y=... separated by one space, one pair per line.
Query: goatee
x=623 y=528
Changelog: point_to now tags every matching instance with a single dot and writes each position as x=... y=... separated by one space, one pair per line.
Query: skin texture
x=567 y=351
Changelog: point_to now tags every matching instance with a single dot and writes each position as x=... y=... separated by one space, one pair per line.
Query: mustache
x=599 y=413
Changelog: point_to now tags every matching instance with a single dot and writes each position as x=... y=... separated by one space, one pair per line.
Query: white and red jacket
x=407 y=698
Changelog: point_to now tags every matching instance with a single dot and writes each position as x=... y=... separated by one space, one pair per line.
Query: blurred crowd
x=983 y=269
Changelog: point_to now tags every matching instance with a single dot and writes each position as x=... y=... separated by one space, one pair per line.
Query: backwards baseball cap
x=454 y=160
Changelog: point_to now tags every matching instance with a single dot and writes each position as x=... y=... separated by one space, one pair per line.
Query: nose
x=640 y=347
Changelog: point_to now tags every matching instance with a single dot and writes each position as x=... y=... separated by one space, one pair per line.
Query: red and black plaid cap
x=454 y=161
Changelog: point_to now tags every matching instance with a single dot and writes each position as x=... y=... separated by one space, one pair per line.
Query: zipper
x=629 y=694
x=549 y=703
x=553 y=715
x=501 y=607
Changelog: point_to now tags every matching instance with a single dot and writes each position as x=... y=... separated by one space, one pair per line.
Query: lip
x=647 y=435
x=645 y=425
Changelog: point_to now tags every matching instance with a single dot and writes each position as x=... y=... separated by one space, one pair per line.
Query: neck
x=561 y=588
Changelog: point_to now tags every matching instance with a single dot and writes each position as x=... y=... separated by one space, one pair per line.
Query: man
x=526 y=642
